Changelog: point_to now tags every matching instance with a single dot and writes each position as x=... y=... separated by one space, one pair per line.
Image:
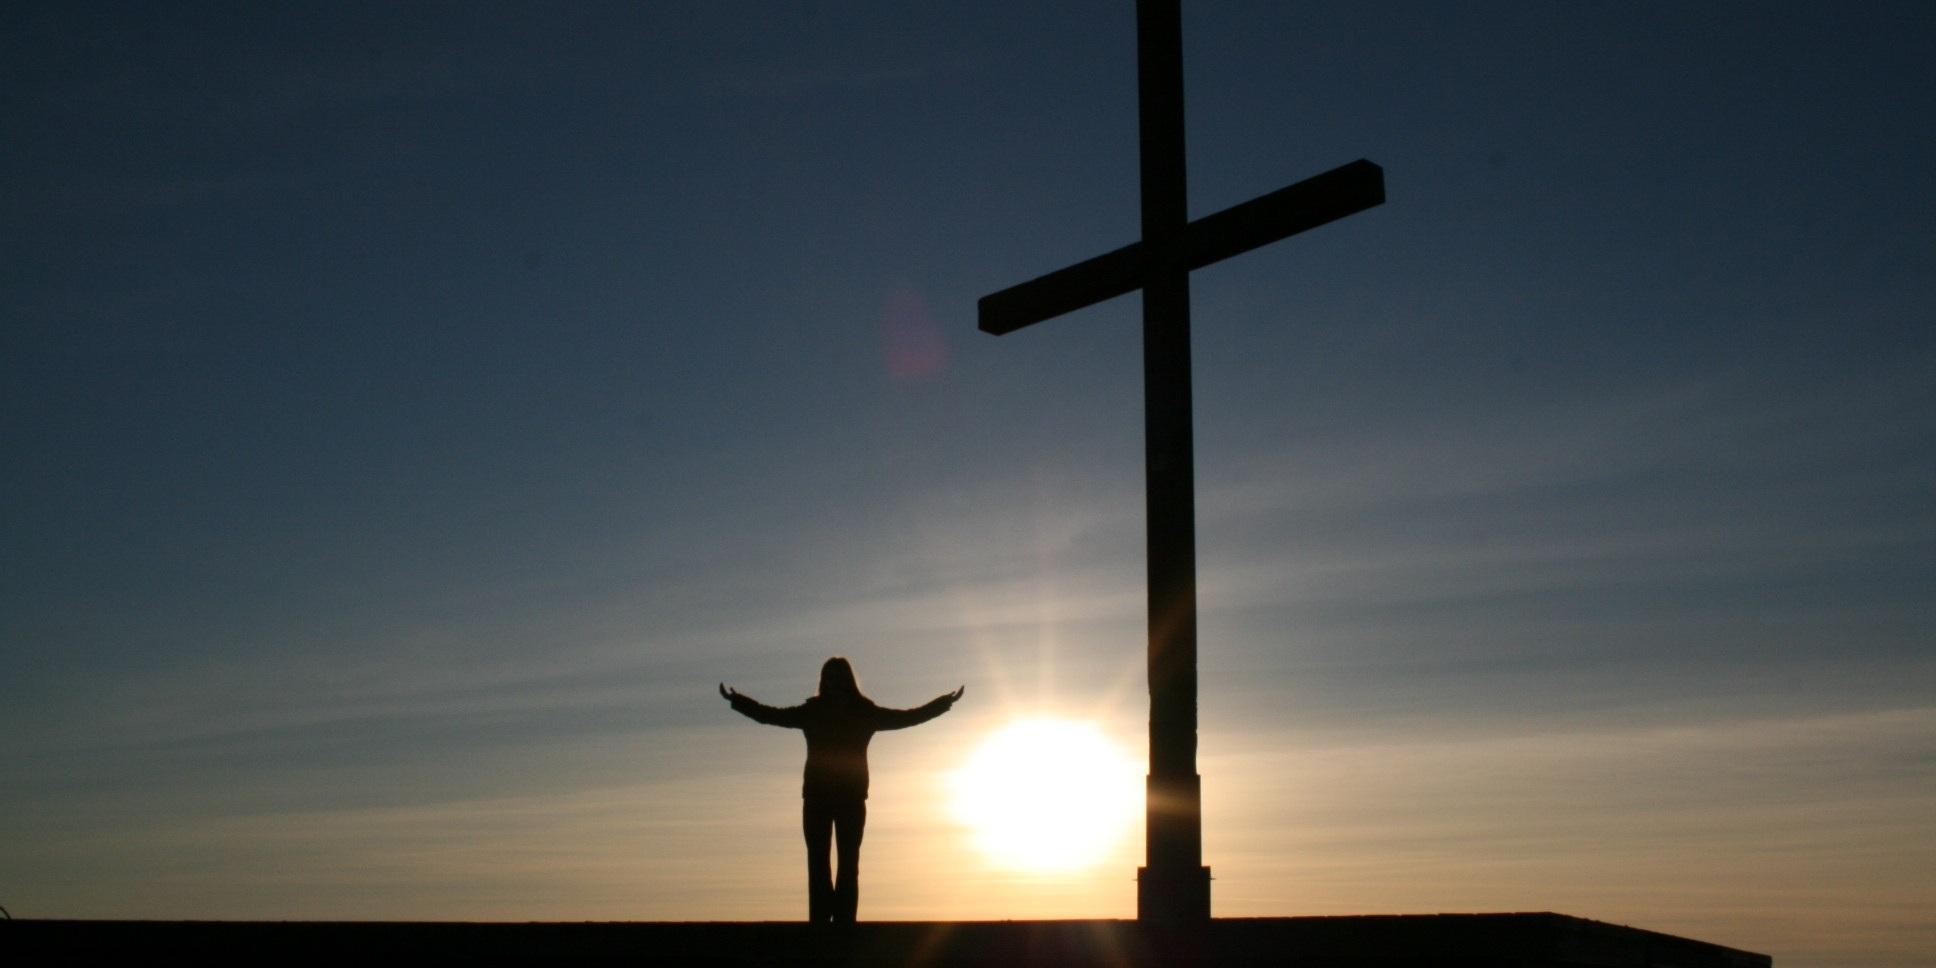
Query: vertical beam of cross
x=1173 y=885
x=1173 y=888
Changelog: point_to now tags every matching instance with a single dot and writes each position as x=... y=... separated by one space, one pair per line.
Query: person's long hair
x=838 y=682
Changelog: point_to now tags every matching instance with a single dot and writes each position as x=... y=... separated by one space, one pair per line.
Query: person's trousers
x=825 y=821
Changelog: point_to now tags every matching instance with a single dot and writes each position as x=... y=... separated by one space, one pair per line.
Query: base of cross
x=1369 y=941
x=1179 y=896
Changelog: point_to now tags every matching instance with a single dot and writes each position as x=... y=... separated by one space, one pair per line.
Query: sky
x=412 y=412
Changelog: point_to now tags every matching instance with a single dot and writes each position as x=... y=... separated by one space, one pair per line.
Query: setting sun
x=1047 y=795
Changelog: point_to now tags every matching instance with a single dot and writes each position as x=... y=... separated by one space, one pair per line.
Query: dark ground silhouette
x=1377 y=941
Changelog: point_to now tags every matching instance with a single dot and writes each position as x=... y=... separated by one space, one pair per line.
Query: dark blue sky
x=410 y=405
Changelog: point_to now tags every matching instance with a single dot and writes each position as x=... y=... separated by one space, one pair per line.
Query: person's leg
x=817 y=822
x=850 y=819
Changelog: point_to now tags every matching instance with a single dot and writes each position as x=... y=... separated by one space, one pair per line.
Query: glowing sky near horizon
x=411 y=412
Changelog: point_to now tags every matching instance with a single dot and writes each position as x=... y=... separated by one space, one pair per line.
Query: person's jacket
x=838 y=729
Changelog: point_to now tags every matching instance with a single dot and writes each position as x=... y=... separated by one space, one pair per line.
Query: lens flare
x=914 y=345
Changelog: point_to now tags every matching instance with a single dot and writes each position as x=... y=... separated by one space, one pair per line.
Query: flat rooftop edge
x=1518 y=939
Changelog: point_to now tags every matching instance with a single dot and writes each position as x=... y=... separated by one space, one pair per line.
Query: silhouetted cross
x=1174 y=886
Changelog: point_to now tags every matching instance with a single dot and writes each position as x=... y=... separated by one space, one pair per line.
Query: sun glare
x=1047 y=795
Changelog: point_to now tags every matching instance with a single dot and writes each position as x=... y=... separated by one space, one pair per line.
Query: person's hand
x=951 y=698
x=730 y=695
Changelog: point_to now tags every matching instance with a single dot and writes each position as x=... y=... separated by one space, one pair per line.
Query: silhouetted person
x=838 y=721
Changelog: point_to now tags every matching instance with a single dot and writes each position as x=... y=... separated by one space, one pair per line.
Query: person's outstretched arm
x=903 y=718
x=760 y=712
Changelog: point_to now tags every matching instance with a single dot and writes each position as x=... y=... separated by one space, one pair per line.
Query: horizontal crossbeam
x=1212 y=238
